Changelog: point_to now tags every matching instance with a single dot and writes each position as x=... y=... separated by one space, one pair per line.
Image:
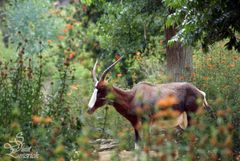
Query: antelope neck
x=123 y=104
x=122 y=98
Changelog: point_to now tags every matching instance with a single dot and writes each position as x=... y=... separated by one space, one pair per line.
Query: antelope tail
x=206 y=105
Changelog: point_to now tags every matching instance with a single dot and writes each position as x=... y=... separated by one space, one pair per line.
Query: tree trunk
x=179 y=58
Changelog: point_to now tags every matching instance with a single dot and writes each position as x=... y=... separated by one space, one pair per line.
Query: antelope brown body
x=144 y=97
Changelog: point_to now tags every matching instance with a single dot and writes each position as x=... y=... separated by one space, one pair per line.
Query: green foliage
x=6 y=53
x=205 y=21
x=217 y=73
x=30 y=24
x=127 y=26
x=49 y=113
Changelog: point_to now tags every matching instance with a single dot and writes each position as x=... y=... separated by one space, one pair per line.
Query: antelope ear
x=182 y=120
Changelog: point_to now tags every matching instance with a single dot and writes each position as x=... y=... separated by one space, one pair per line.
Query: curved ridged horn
x=94 y=72
x=105 y=72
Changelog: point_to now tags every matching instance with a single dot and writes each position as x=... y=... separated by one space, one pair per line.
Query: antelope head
x=99 y=96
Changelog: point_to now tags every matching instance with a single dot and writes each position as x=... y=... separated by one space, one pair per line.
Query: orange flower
x=161 y=42
x=69 y=26
x=228 y=142
x=119 y=75
x=182 y=78
x=166 y=113
x=139 y=111
x=193 y=75
x=72 y=55
x=210 y=66
x=138 y=53
x=167 y=101
x=74 y=87
x=49 y=41
x=206 y=78
x=61 y=37
x=213 y=141
x=61 y=159
x=236 y=58
x=209 y=58
x=221 y=113
x=65 y=30
x=36 y=119
x=162 y=103
x=47 y=120
x=223 y=62
x=231 y=65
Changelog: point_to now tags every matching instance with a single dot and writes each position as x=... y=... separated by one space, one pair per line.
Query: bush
x=51 y=120
x=31 y=24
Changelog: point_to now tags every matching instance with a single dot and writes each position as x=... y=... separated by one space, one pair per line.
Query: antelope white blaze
x=93 y=98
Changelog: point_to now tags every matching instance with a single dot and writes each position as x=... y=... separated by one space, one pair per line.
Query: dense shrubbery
x=46 y=112
x=32 y=29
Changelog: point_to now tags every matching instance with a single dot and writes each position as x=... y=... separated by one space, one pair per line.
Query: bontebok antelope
x=145 y=97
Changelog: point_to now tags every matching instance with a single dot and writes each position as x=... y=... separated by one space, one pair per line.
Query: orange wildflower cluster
x=236 y=58
x=61 y=37
x=67 y=27
x=161 y=42
x=168 y=101
x=210 y=66
x=205 y=78
x=139 y=111
x=38 y=119
x=49 y=41
x=166 y=113
x=231 y=65
x=163 y=104
x=209 y=58
x=119 y=75
x=71 y=55
x=61 y=159
x=182 y=78
x=74 y=86
x=223 y=62
x=194 y=74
